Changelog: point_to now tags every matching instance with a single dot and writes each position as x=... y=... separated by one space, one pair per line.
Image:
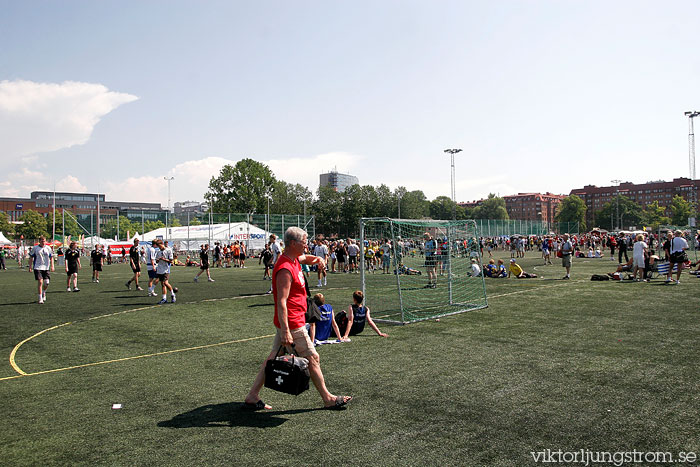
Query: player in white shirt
x=163 y=259
x=150 y=258
x=41 y=262
x=321 y=251
x=276 y=252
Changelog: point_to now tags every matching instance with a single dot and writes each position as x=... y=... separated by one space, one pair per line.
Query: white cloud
x=71 y=184
x=40 y=117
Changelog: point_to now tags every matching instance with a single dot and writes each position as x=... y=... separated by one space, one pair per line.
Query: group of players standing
x=158 y=258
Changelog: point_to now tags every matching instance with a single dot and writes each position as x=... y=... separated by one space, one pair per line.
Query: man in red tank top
x=289 y=293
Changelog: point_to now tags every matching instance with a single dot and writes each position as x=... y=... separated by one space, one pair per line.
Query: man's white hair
x=294 y=233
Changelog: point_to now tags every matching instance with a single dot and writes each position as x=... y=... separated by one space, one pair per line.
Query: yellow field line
x=14 y=350
x=167 y=352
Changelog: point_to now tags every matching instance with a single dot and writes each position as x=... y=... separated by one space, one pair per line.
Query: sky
x=541 y=96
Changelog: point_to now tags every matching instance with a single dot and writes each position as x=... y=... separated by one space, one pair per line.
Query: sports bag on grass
x=287 y=373
x=313 y=313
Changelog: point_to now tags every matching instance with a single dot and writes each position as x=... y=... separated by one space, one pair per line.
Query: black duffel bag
x=287 y=373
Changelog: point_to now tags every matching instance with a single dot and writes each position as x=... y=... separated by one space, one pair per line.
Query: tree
x=681 y=210
x=655 y=215
x=153 y=225
x=441 y=207
x=109 y=228
x=414 y=205
x=241 y=188
x=630 y=213
x=290 y=198
x=34 y=225
x=493 y=207
x=6 y=226
x=72 y=227
x=572 y=209
x=327 y=210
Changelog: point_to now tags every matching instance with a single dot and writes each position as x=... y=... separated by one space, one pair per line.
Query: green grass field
x=555 y=364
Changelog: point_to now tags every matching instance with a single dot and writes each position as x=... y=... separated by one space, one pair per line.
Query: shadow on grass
x=18 y=303
x=252 y=294
x=229 y=414
x=261 y=304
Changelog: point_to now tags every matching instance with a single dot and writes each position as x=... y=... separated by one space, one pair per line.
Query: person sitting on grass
x=491 y=270
x=321 y=330
x=352 y=322
x=502 y=272
x=476 y=270
x=518 y=272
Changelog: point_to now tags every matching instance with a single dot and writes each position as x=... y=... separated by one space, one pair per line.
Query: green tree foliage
x=72 y=227
x=109 y=228
x=493 y=207
x=655 y=215
x=6 y=226
x=153 y=225
x=630 y=212
x=327 y=208
x=33 y=227
x=195 y=221
x=414 y=205
x=288 y=198
x=441 y=207
x=241 y=188
x=572 y=209
x=681 y=210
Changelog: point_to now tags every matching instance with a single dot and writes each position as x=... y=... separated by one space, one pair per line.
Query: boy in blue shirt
x=321 y=330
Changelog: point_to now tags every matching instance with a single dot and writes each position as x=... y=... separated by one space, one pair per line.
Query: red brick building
x=527 y=206
x=533 y=206
x=643 y=194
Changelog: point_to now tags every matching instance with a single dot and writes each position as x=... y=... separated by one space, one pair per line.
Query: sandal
x=340 y=403
x=259 y=405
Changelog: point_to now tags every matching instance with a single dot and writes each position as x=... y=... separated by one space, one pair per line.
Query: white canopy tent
x=192 y=237
x=4 y=240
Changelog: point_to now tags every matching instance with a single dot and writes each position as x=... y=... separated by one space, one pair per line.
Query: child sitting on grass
x=353 y=321
x=321 y=330
x=518 y=272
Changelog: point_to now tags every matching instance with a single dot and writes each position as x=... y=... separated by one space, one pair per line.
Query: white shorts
x=638 y=262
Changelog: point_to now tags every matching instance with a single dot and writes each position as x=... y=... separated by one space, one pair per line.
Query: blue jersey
x=323 y=325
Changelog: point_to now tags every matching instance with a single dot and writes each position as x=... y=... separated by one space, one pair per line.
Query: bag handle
x=283 y=348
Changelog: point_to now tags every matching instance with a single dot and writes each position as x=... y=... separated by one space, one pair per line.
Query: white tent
x=90 y=242
x=192 y=237
x=4 y=240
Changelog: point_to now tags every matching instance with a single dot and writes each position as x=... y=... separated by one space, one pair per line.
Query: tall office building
x=337 y=181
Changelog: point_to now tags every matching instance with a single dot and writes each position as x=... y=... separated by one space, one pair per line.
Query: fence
x=497 y=228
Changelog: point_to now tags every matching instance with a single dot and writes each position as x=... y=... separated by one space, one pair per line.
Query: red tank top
x=296 y=302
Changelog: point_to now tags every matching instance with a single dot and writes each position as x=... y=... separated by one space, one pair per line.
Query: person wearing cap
x=518 y=272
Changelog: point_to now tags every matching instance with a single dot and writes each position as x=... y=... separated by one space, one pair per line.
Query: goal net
x=427 y=273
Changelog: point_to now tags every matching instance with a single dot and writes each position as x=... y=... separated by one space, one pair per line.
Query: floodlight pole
x=167 y=210
x=399 y=196
x=691 y=158
x=452 y=153
x=617 y=202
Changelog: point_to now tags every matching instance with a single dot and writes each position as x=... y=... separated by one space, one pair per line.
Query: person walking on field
x=72 y=257
x=276 y=253
x=567 y=251
x=41 y=264
x=98 y=260
x=164 y=258
x=134 y=261
x=204 y=263
x=151 y=268
x=288 y=287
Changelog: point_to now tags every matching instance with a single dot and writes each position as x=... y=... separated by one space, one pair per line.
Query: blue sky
x=540 y=95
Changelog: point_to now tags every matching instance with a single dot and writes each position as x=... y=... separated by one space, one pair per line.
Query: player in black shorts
x=72 y=257
x=134 y=261
x=204 y=259
x=97 y=259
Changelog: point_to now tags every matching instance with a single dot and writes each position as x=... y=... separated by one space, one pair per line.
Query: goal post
x=419 y=280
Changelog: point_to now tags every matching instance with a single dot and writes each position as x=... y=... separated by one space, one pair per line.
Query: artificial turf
x=555 y=364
